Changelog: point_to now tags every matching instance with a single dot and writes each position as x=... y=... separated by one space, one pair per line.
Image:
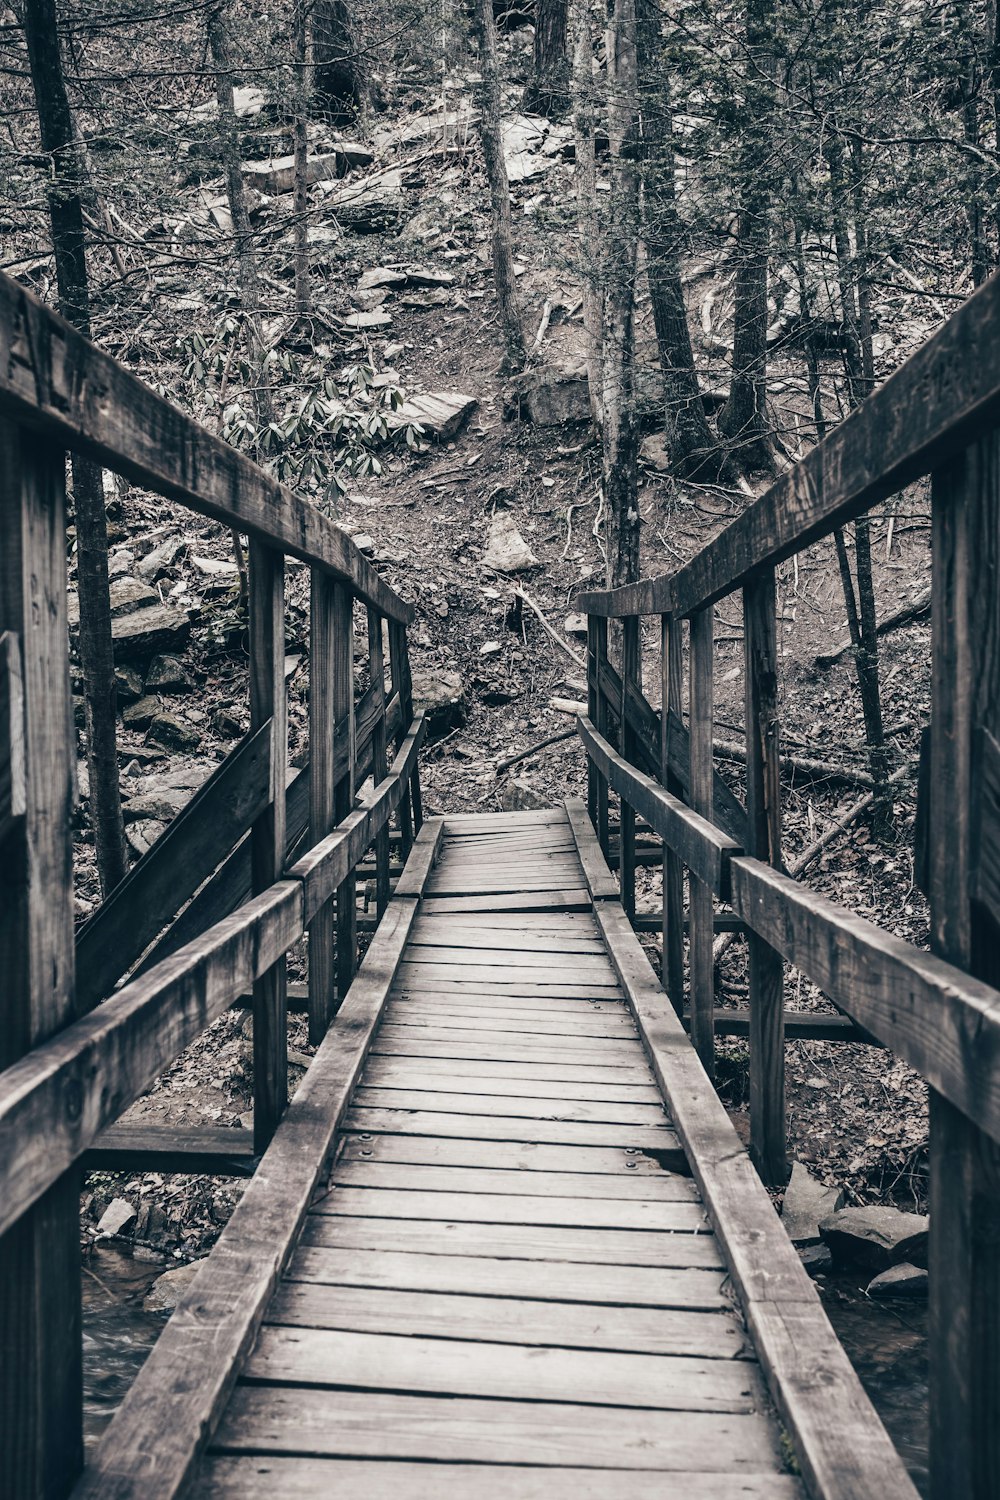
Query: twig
x=551 y=739
x=542 y=327
x=573 y=655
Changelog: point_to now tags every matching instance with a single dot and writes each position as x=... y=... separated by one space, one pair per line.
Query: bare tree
x=502 y=236
x=547 y=90
x=585 y=182
x=66 y=215
x=338 y=89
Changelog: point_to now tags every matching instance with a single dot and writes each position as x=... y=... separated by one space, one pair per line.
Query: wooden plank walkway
x=508 y=1275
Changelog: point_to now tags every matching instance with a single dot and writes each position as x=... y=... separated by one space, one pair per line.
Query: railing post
x=342 y=691
x=322 y=781
x=406 y=699
x=671 y=681
x=965 y=1163
x=700 y=907
x=376 y=671
x=600 y=644
x=631 y=676
x=767 y=971
x=41 y=1434
x=593 y=690
x=267 y=837
x=399 y=673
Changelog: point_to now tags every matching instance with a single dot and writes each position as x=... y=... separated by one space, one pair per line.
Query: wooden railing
x=938 y=415
x=266 y=863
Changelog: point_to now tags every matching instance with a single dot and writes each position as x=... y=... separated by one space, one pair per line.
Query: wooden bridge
x=503 y=1242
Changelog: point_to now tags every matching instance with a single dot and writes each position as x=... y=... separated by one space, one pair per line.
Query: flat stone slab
x=506 y=549
x=441 y=414
x=277 y=176
x=876 y=1237
x=149 y=632
x=904 y=1280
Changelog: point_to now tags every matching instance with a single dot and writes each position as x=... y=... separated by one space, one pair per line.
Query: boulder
x=147 y=632
x=227 y=724
x=117 y=1217
x=141 y=714
x=162 y=558
x=168 y=674
x=807 y=1201
x=128 y=684
x=168 y=1289
x=506 y=549
x=816 y=1259
x=172 y=734
x=904 y=1280
x=552 y=395
x=521 y=796
x=442 y=696
x=141 y=837
x=278 y=175
x=125 y=594
x=575 y=624
x=440 y=414
x=876 y=1237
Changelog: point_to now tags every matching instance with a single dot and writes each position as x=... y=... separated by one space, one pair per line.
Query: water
x=885 y=1341
x=117 y=1334
x=887 y=1345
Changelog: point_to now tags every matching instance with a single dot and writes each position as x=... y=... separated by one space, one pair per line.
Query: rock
x=522 y=138
x=367 y=321
x=806 y=1203
x=227 y=724
x=575 y=624
x=156 y=563
x=141 y=837
x=248 y=102
x=126 y=596
x=167 y=674
x=816 y=1259
x=441 y=414
x=168 y=1289
x=116 y=1218
x=653 y=453
x=506 y=549
x=128 y=684
x=441 y=126
x=490 y=648
x=374 y=206
x=149 y=631
x=141 y=714
x=552 y=395
x=120 y=562
x=213 y=567
x=904 y=1280
x=520 y=796
x=442 y=696
x=875 y=1236
x=380 y=276
x=169 y=732
x=278 y=176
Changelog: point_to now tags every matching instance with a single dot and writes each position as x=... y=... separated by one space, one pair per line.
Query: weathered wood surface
x=75 y=396
x=183 y=1387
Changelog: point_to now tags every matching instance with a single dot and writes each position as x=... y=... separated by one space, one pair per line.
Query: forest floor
x=856 y=1114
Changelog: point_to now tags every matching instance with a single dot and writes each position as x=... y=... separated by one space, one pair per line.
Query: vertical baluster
x=41 y=1435
x=342 y=689
x=671 y=669
x=406 y=680
x=601 y=725
x=376 y=666
x=965 y=1163
x=322 y=781
x=593 y=775
x=700 y=906
x=399 y=674
x=767 y=972
x=267 y=838
x=631 y=677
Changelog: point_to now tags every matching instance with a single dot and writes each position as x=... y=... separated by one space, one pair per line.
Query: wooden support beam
x=399 y=677
x=671 y=689
x=166 y=1148
x=268 y=704
x=965 y=1162
x=342 y=703
x=376 y=671
x=798 y=1026
x=323 y=779
x=767 y=971
x=599 y=664
x=631 y=676
x=13 y=799
x=701 y=959
x=41 y=1396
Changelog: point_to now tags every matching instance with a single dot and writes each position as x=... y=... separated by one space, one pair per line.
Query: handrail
x=923 y=414
x=58 y=383
x=61 y=1095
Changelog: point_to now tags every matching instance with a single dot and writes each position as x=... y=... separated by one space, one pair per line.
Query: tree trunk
x=585 y=183
x=337 y=85
x=69 y=247
x=743 y=419
x=547 y=92
x=246 y=259
x=496 y=176
x=620 y=261
x=300 y=63
x=693 y=450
